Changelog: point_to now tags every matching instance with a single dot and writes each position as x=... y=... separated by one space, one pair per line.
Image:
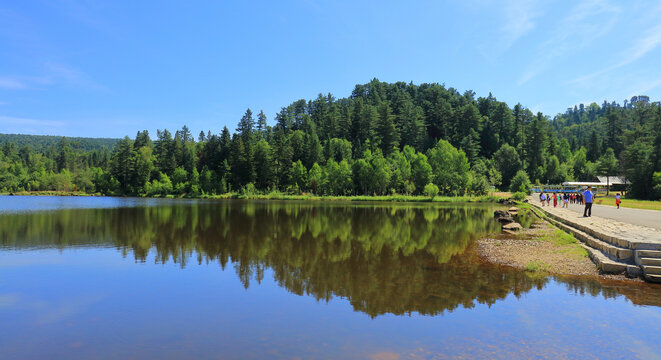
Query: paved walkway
x=642 y=217
x=636 y=225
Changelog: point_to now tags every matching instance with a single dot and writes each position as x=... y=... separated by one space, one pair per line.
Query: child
x=617 y=200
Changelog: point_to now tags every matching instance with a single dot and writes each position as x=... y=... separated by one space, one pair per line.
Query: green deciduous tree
x=449 y=168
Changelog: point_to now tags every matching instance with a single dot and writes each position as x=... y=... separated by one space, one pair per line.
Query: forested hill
x=40 y=143
x=384 y=138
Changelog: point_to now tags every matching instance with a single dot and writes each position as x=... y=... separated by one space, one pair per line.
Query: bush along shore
x=275 y=195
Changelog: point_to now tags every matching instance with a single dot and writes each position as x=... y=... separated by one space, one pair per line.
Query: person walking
x=617 y=200
x=555 y=199
x=587 y=198
x=548 y=200
x=542 y=197
x=565 y=200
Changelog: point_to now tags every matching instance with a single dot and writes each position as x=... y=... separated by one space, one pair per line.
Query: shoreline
x=282 y=196
x=542 y=249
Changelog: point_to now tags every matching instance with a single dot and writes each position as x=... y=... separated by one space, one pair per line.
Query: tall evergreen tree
x=387 y=132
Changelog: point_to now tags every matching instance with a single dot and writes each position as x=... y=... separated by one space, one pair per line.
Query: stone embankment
x=615 y=247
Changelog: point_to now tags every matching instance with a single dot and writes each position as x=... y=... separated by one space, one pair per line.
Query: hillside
x=41 y=143
x=383 y=138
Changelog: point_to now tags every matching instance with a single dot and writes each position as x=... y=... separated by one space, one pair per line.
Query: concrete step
x=653 y=278
x=605 y=264
x=650 y=261
x=648 y=254
x=611 y=238
x=615 y=241
x=656 y=270
x=614 y=252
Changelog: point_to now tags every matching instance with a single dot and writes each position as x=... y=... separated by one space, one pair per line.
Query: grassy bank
x=310 y=197
x=629 y=203
x=50 y=193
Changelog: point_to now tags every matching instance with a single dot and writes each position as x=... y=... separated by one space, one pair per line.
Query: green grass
x=275 y=195
x=537 y=266
x=629 y=203
x=385 y=198
x=50 y=193
x=566 y=243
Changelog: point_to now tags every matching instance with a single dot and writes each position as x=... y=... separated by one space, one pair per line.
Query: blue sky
x=111 y=68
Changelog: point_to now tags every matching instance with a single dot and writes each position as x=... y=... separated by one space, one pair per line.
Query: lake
x=115 y=278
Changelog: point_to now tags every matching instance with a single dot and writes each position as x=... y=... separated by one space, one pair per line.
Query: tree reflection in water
x=383 y=258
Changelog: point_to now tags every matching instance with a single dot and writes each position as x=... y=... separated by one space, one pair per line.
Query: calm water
x=84 y=278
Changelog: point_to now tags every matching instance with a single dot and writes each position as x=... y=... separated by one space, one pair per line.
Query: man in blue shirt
x=587 y=197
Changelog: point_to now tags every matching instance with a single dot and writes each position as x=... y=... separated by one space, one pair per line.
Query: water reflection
x=383 y=258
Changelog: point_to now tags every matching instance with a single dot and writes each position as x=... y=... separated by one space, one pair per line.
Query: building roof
x=584 y=183
x=613 y=180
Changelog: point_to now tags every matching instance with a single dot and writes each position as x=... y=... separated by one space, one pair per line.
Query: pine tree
x=387 y=132
x=593 y=147
x=262 y=127
x=246 y=126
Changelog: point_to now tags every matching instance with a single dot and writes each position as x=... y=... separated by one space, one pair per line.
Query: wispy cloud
x=51 y=74
x=11 y=83
x=643 y=86
x=646 y=43
x=20 y=125
x=586 y=22
x=520 y=19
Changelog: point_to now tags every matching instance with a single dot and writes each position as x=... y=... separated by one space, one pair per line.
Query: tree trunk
x=607 y=185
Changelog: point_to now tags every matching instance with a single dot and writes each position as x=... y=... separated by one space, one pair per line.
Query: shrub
x=520 y=183
x=431 y=190
x=249 y=189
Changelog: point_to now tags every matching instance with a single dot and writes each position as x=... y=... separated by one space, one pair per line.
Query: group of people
x=564 y=199
x=585 y=197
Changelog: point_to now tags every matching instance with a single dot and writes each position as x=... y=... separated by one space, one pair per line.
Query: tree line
x=384 y=138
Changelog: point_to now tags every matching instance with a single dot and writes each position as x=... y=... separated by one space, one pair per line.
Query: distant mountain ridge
x=40 y=143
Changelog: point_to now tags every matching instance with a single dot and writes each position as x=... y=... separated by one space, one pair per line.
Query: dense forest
x=42 y=143
x=384 y=138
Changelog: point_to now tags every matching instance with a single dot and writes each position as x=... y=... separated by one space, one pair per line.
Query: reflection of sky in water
x=94 y=303
x=22 y=204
